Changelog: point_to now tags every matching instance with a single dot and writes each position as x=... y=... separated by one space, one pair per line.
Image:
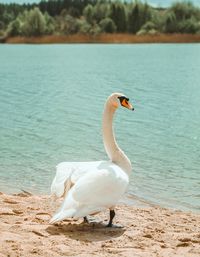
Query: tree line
x=64 y=17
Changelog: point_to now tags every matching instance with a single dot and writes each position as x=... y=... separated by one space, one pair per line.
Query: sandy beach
x=152 y=231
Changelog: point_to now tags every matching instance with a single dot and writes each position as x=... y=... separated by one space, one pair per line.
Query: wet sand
x=151 y=231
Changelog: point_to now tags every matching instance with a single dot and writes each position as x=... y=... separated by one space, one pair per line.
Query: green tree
x=189 y=26
x=14 y=28
x=182 y=18
x=171 y=23
x=68 y=25
x=184 y=11
x=93 y=16
x=157 y=18
x=2 y=25
x=88 y=13
x=50 y=24
x=107 y=25
x=139 y=14
x=100 y=11
x=84 y=27
x=118 y=15
x=7 y=17
x=148 y=28
x=34 y=24
x=95 y=30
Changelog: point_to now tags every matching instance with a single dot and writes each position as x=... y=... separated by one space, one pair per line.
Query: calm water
x=51 y=104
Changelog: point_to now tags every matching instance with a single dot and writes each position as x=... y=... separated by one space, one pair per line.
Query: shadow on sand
x=85 y=232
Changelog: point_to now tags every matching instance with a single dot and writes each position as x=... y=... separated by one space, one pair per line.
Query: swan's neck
x=115 y=154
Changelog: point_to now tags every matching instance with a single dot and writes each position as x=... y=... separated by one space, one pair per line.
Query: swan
x=91 y=187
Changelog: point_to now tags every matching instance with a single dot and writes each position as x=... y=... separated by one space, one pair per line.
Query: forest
x=66 y=17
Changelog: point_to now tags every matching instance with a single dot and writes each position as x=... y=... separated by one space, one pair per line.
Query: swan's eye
x=125 y=102
x=122 y=98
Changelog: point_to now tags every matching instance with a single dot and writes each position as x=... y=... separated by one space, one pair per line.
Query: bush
x=70 y=25
x=84 y=26
x=149 y=25
x=189 y=26
x=107 y=25
x=148 y=28
x=95 y=30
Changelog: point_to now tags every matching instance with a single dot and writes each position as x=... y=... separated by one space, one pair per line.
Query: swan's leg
x=112 y=215
x=110 y=224
x=85 y=220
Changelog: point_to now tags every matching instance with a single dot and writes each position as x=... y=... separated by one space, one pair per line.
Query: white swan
x=91 y=187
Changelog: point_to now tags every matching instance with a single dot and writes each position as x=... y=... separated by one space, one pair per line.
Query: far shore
x=153 y=231
x=104 y=39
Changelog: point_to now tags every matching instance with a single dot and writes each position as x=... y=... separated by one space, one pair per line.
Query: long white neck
x=113 y=151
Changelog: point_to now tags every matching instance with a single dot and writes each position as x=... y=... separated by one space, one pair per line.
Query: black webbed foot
x=113 y=226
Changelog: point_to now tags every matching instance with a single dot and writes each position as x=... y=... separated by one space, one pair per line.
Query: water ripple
x=51 y=111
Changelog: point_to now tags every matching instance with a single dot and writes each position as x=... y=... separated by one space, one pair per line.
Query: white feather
x=93 y=192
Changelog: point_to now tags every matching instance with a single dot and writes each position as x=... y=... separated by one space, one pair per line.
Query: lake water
x=51 y=104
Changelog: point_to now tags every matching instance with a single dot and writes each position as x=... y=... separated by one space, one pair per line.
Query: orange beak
x=127 y=105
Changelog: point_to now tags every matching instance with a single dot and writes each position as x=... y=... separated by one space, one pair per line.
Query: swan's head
x=118 y=99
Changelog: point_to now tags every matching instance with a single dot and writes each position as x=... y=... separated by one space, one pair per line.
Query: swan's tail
x=62 y=215
x=62 y=181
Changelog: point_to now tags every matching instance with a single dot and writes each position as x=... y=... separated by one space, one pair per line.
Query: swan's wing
x=93 y=192
x=101 y=187
x=68 y=173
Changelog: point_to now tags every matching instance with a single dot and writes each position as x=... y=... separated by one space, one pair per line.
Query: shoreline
x=128 y=199
x=104 y=39
x=149 y=231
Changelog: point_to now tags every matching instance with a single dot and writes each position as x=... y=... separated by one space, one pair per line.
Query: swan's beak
x=130 y=107
x=127 y=105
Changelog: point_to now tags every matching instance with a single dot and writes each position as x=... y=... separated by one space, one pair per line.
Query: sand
x=151 y=231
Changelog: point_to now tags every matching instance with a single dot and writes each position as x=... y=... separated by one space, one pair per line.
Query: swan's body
x=68 y=173
x=91 y=187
